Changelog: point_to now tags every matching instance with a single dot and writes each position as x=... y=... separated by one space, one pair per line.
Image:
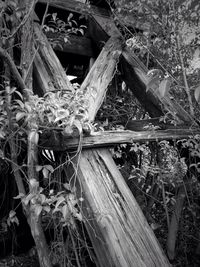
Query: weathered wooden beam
x=42 y=81
x=77 y=6
x=135 y=75
x=78 y=45
x=52 y=64
x=119 y=232
x=100 y=75
x=57 y=141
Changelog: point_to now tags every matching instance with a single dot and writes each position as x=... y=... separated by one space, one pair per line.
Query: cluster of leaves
x=63 y=204
x=55 y=109
x=62 y=29
x=116 y=112
x=169 y=39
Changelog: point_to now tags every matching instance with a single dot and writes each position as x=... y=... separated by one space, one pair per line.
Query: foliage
x=55 y=109
x=62 y=29
x=168 y=40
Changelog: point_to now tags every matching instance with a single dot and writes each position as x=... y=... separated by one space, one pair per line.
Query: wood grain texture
x=119 y=231
x=51 y=62
x=100 y=75
x=57 y=141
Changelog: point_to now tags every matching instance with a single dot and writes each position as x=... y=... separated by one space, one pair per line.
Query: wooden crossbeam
x=57 y=141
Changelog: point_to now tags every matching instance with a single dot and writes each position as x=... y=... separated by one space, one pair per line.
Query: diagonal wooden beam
x=135 y=75
x=48 y=58
x=100 y=75
x=131 y=65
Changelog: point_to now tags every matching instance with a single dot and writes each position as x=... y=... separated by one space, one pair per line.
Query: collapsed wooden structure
x=118 y=230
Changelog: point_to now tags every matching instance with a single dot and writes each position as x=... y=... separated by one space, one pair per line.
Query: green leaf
x=20 y=103
x=45 y=173
x=12 y=214
x=47 y=209
x=65 y=211
x=28 y=107
x=49 y=168
x=19 y=94
x=152 y=83
x=21 y=195
x=60 y=200
x=38 y=209
x=20 y=115
x=78 y=125
x=67 y=186
x=38 y=168
x=164 y=86
x=27 y=199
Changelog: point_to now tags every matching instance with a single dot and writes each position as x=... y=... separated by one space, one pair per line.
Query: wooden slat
x=165 y=104
x=43 y=81
x=57 y=141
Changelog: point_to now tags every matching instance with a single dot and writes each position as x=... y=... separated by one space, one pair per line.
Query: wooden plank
x=43 y=81
x=77 y=6
x=119 y=231
x=100 y=75
x=139 y=77
x=52 y=64
x=57 y=141
x=78 y=45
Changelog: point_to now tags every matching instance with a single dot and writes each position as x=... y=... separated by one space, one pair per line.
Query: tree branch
x=8 y=60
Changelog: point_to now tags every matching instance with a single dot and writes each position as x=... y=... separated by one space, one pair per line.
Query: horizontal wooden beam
x=77 y=6
x=55 y=140
x=78 y=45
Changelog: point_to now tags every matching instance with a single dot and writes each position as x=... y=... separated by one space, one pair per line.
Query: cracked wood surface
x=51 y=63
x=57 y=141
x=119 y=231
